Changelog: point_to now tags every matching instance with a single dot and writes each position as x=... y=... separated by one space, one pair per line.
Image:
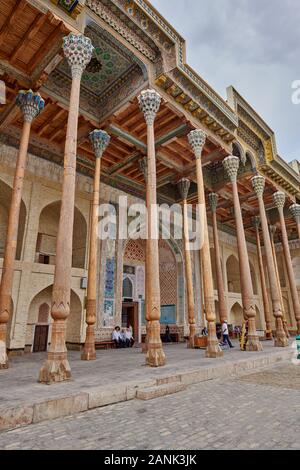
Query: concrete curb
x=25 y=414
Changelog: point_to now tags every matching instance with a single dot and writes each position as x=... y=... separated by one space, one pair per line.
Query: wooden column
x=295 y=211
x=231 y=166
x=149 y=101
x=258 y=183
x=100 y=140
x=213 y=201
x=184 y=187
x=279 y=200
x=30 y=104
x=197 y=140
x=78 y=51
x=272 y=231
x=267 y=313
x=143 y=164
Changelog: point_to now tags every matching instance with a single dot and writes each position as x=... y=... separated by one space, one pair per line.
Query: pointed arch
x=47 y=235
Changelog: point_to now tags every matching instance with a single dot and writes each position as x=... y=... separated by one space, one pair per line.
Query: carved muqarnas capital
x=149 y=101
x=197 y=140
x=295 y=211
x=279 y=199
x=184 y=186
x=231 y=165
x=255 y=221
x=99 y=140
x=78 y=50
x=258 y=184
x=143 y=164
x=213 y=201
x=30 y=103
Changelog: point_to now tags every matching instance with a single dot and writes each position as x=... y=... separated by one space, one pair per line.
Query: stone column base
x=55 y=369
x=89 y=352
x=191 y=341
x=281 y=341
x=253 y=343
x=155 y=356
x=213 y=349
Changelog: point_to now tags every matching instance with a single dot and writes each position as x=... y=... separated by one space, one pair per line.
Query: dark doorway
x=40 y=338
x=130 y=317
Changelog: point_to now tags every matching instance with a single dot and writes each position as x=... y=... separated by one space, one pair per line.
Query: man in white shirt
x=129 y=338
x=116 y=337
x=225 y=333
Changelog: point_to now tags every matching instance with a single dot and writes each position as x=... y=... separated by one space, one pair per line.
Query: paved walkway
x=19 y=383
x=250 y=412
x=115 y=376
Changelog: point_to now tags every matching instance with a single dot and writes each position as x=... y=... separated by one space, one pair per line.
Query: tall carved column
x=256 y=224
x=30 y=104
x=78 y=50
x=279 y=199
x=184 y=187
x=149 y=101
x=231 y=166
x=197 y=140
x=258 y=183
x=213 y=201
x=272 y=230
x=295 y=211
x=143 y=163
x=100 y=140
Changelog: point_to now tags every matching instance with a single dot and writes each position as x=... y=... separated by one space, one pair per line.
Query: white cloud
x=252 y=45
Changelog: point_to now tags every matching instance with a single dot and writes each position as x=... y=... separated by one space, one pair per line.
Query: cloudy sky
x=253 y=45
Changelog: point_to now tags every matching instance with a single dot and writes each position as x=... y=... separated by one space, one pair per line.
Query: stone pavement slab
x=114 y=377
x=225 y=413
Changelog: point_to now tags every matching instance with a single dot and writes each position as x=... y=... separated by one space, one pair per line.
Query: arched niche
x=238 y=151
x=47 y=236
x=127 y=289
x=233 y=275
x=40 y=309
x=5 y=201
x=236 y=315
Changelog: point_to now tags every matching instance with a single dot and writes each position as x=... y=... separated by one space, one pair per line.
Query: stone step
x=150 y=393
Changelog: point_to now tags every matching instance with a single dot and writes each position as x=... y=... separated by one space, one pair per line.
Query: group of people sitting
x=123 y=338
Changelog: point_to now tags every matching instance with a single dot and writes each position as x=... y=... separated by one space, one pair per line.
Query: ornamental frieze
x=109 y=15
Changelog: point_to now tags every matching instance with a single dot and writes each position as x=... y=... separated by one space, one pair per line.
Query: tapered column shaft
x=78 y=50
x=231 y=165
x=295 y=211
x=267 y=313
x=184 y=186
x=197 y=140
x=213 y=199
x=149 y=102
x=279 y=199
x=30 y=104
x=144 y=168
x=100 y=140
x=272 y=231
x=281 y=340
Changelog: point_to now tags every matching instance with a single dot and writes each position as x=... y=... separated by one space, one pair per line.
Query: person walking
x=225 y=333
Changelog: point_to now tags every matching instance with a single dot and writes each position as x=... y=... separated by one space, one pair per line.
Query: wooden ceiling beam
x=19 y=6
x=56 y=33
x=28 y=36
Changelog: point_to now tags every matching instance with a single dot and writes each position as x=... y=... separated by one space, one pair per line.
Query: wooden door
x=131 y=317
x=40 y=338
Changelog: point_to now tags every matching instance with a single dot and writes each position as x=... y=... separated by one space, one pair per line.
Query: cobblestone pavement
x=250 y=412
